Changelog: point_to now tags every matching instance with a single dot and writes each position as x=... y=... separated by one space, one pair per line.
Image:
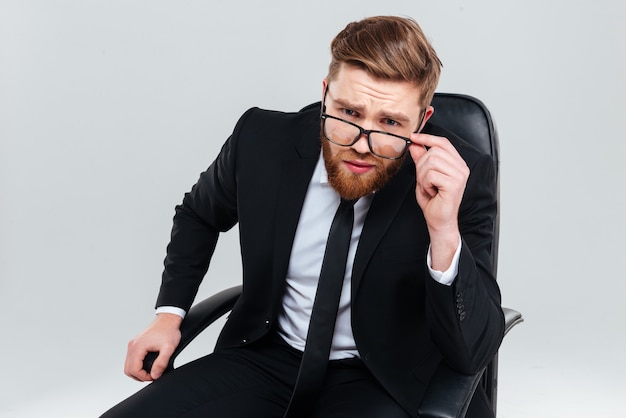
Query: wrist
x=443 y=248
x=168 y=320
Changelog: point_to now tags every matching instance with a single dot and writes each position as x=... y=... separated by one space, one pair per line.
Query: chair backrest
x=469 y=118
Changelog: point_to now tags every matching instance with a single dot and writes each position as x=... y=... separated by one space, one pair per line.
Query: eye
x=349 y=112
x=391 y=123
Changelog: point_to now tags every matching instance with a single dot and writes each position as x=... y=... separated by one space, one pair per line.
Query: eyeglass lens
x=381 y=144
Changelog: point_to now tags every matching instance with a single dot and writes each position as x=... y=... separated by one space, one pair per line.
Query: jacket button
x=267 y=323
x=461 y=316
x=244 y=341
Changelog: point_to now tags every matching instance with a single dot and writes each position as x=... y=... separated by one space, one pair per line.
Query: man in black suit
x=417 y=288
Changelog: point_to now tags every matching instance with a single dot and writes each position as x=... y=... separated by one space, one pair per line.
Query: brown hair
x=390 y=48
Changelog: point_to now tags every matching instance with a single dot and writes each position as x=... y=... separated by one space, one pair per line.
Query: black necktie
x=324 y=313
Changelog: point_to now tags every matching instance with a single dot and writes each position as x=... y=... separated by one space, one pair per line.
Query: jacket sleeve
x=208 y=209
x=466 y=321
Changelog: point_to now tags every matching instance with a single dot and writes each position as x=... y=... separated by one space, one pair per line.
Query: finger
x=134 y=368
x=445 y=161
x=429 y=141
x=438 y=180
x=162 y=361
x=133 y=365
x=159 y=366
x=438 y=145
x=417 y=152
x=449 y=167
x=141 y=376
x=432 y=149
x=429 y=190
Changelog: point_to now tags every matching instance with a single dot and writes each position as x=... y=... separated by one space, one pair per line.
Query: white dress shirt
x=305 y=264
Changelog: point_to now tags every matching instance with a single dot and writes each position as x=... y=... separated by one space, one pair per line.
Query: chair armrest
x=450 y=392
x=199 y=317
x=511 y=318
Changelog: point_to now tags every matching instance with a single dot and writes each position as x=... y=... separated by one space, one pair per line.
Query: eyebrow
x=397 y=116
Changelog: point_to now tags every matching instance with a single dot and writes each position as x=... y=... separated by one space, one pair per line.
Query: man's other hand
x=162 y=336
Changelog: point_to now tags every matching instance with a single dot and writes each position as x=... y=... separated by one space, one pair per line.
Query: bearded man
x=420 y=205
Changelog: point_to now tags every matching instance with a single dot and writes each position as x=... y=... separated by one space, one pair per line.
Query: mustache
x=351 y=154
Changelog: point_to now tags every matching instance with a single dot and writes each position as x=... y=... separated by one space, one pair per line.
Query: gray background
x=110 y=109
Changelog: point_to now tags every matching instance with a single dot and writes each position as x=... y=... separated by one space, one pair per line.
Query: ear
x=428 y=113
x=324 y=86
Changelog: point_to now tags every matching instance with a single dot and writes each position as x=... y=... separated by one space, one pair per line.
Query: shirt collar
x=321 y=169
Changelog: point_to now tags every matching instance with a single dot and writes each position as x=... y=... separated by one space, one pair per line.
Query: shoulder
x=257 y=117
x=269 y=133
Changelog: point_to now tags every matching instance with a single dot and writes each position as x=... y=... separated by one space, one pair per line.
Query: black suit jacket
x=404 y=322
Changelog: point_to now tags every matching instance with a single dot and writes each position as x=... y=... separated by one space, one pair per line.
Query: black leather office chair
x=450 y=392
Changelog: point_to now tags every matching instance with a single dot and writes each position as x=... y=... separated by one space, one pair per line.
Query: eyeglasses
x=382 y=144
x=345 y=133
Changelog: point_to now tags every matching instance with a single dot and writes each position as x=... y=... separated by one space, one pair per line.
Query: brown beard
x=352 y=186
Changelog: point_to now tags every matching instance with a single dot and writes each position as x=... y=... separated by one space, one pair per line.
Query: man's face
x=373 y=104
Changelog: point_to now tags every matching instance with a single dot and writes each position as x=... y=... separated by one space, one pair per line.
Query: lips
x=358 y=166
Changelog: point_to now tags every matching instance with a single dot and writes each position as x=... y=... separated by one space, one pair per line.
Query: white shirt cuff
x=448 y=276
x=171 y=310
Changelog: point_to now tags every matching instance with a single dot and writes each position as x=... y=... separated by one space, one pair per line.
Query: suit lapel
x=381 y=214
x=296 y=171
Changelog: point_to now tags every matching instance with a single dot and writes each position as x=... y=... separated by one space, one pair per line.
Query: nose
x=361 y=146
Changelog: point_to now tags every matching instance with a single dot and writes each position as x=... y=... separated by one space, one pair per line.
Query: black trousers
x=257 y=381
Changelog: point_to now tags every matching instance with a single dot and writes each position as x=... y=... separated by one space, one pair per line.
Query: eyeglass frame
x=366 y=132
